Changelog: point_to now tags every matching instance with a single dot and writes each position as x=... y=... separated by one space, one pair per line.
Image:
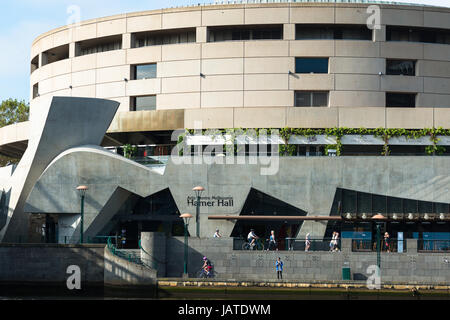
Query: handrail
x=130 y=257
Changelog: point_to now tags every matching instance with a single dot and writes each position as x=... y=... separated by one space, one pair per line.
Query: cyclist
x=251 y=238
x=206 y=265
x=217 y=234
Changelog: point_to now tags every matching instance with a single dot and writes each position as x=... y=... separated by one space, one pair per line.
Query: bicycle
x=259 y=245
x=203 y=274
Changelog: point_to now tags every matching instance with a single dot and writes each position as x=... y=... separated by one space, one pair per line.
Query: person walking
x=332 y=241
x=279 y=268
x=336 y=242
x=272 y=241
x=386 y=242
x=307 y=242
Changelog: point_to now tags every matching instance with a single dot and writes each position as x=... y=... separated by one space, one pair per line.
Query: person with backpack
x=207 y=266
x=279 y=268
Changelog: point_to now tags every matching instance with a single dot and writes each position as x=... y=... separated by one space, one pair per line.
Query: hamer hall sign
x=214 y=201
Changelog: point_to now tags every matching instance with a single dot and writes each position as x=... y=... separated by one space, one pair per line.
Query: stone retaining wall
x=410 y=267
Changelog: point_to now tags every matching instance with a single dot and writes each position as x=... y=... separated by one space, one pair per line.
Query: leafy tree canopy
x=13 y=111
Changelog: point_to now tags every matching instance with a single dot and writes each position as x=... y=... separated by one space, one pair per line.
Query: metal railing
x=369 y=245
x=152 y=161
x=293 y=244
x=123 y=254
x=433 y=245
x=86 y=240
x=58 y=240
x=325 y=244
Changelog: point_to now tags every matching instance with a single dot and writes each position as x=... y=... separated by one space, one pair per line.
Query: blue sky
x=23 y=20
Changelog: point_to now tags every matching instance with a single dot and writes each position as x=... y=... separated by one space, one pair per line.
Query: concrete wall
x=409 y=267
x=307 y=183
x=242 y=74
x=47 y=264
x=153 y=251
x=120 y=272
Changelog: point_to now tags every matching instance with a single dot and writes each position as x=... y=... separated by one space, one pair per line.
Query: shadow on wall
x=176 y=269
x=41 y=271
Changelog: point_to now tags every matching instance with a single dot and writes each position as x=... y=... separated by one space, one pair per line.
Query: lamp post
x=378 y=219
x=82 y=191
x=186 y=217
x=198 y=192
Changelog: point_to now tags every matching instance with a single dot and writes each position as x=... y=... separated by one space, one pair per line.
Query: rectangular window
x=416 y=34
x=35 y=64
x=143 y=71
x=55 y=54
x=142 y=103
x=311 y=98
x=242 y=33
x=311 y=65
x=156 y=38
x=36 y=90
x=401 y=67
x=332 y=32
x=401 y=100
x=98 y=45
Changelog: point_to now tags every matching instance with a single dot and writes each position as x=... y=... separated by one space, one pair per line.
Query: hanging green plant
x=129 y=151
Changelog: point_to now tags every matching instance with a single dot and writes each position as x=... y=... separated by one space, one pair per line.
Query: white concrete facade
x=258 y=75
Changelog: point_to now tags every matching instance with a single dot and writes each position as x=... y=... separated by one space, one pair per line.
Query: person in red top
x=386 y=242
x=206 y=265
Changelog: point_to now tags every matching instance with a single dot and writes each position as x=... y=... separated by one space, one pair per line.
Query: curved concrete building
x=256 y=66
x=296 y=65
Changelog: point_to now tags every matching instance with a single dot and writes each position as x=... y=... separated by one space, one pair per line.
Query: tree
x=12 y=111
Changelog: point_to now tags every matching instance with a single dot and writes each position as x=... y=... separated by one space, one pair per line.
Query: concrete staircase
x=132 y=255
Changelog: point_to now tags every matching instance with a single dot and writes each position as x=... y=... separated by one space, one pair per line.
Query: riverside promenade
x=156 y=270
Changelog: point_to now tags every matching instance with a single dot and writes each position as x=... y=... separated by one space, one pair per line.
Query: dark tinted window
x=36 y=90
x=143 y=103
x=401 y=67
x=337 y=32
x=311 y=98
x=407 y=100
x=311 y=65
x=99 y=45
x=414 y=34
x=241 y=33
x=154 y=38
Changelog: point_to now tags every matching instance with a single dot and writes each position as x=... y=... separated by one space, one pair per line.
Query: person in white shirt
x=252 y=237
x=217 y=234
x=307 y=242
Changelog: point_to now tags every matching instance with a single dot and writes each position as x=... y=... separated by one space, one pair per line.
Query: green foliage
x=129 y=151
x=338 y=133
x=287 y=150
x=13 y=111
x=332 y=147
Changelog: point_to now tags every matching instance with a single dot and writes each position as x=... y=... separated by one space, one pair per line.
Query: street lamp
x=186 y=217
x=378 y=219
x=198 y=192
x=82 y=191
